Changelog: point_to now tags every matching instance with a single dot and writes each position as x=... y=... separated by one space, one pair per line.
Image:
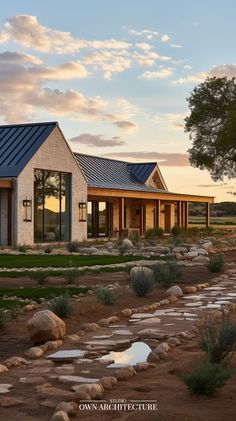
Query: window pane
x=89 y=219
x=38 y=206
x=65 y=207
x=102 y=218
x=51 y=206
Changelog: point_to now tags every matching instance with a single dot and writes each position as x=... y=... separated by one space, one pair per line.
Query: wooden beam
x=186 y=216
x=179 y=214
x=5 y=184
x=99 y=192
x=121 y=213
x=158 y=213
x=182 y=213
x=207 y=214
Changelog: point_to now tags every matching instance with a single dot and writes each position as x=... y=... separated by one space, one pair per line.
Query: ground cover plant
x=105 y=296
x=142 y=282
x=61 y=305
x=35 y=293
x=216 y=263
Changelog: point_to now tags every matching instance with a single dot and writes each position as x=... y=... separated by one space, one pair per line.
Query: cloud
x=3 y=37
x=228 y=70
x=159 y=74
x=26 y=30
x=165 y=38
x=97 y=140
x=176 y=46
x=164 y=159
x=126 y=125
x=144 y=46
x=172 y=120
x=21 y=58
x=147 y=33
x=195 y=78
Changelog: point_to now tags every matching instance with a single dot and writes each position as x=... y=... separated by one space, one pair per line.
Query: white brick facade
x=55 y=155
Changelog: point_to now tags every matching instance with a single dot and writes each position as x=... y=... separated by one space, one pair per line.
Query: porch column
x=141 y=220
x=121 y=214
x=182 y=213
x=207 y=214
x=158 y=213
x=144 y=219
x=9 y=217
x=186 y=215
x=179 y=213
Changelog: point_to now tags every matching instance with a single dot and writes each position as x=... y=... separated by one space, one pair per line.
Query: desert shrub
x=22 y=248
x=216 y=263
x=71 y=275
x=176 y=231
x=135 y=238
x=48 y=249
x=177 y=241
x=194 y=232
x=206 y=378
x=40 y=277
x=61 y=305
x=142 y=282
x=154 y=233
x=218 y=343
x=167 y=274
x=14 y=311
x=105 y=296
x=73 y=246
x=3 y=318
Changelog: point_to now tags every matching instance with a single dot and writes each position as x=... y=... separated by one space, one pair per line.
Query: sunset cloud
x=164 y=159
x=125 y=125
x=97 y=140
x=158 y=74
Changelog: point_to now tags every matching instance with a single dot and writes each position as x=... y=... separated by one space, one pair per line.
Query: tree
x=212 y=127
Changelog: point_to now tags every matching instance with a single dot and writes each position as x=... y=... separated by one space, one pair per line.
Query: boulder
x=207 y=245
x=173 y=342
x=15 y=362
x=175 y=290
x=69 y=407
x=108 y=382
x=153 y=357
x=201 y=259
x=190 y=290
x=181 y=250
x=190 y=255
x=125 y=373
x=127 y=312
x=91 y=327
x=93 y=390
x=142 y=366
x=34 y=352
x=60 y=416
x=3 y=368
x=45 y=326
x=127 y=244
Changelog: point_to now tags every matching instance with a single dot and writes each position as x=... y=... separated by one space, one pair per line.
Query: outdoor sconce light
x=82 y=211
x=163 y=211
x=27 y=205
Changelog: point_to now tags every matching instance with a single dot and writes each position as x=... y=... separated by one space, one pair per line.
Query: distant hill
x=217 y=209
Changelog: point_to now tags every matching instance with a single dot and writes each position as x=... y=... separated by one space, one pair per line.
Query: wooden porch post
x=186 y=215
x=9 y=217
x=182 y=213
x=121 y=214
x=158 y=213
x=141 y=219
x=179 y=213
x=207 y=214
x=144 y=219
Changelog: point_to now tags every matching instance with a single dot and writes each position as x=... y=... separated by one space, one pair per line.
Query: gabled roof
x=18 y=144
x=113 y=174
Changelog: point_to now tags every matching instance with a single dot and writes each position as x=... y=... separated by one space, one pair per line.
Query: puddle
x=138 y=352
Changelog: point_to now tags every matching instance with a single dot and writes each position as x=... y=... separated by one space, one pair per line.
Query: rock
x=69 y=407
x=32 y=380
x=202 y=252
x=150 y=333
x=162 y=347
x=108 y=382
x=127 y=312
x=51 y=345
x=73 y=339
x=173 y=299
x=34 y=352
x=161 y=354
x=8 y=402
x=60 y=416
x=3 y=368
x=190 y=255
x=173 y=342
x=113 y=319
x=5 y=387
x=127 y=244
x=46 y=391
x=207 y=245
x=45 y=326
x=103 y=323
x=91 y=327
x=181 y=250
x=142 y=366
x=153 y=357
x=136 y=270
x=201 y=259
x=175 y=290
x=190 y=290
x=28 y=308
x=93 y=390
x=81 y=395
x=88 y=250
x=125 y=373
x=15 y=362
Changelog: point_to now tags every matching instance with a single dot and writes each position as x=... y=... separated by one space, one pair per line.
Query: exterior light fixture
x=82 y=212
x=27 y=206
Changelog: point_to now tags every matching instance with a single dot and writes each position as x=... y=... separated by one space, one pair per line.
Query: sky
x=116 y=74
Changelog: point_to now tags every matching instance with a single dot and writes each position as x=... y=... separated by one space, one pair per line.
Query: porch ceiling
x=172 y=197
x=6 y=184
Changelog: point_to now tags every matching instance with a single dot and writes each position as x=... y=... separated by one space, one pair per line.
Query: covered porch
x=116 y=213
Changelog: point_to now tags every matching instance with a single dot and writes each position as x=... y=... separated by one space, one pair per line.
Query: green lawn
x=27 y=261
x=39 y=292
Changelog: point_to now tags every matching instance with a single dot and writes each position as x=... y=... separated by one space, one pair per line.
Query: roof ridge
x=29 y=124
x=116 y=160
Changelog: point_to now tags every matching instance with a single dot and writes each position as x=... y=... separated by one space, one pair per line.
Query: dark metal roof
x=112 y=174
x=18 y=144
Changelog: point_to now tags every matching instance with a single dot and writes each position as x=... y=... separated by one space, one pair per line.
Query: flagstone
x=67 y=355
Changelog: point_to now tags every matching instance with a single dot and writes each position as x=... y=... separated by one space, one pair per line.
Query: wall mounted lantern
x=82 y=211
x=27 y=207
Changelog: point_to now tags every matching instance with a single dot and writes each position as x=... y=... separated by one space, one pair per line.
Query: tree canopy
x=212 y=127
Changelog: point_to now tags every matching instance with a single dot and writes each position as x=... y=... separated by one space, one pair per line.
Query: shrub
x=73 y=246
x=40 y=277
x=154 y=233
x=22 y=248
x=176 y=231
x=206 y=378
x=14 y=311
x=218 y=343
x=61 y=306
x=105 y=296
x=142 y=282
x=3 y=318
x=193 y=232
x=167 y=274
x=135 y=238
x=48 y=249
x=71 y=275
x=216 y=263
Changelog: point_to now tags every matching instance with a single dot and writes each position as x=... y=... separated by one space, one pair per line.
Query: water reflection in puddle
x=138 y=352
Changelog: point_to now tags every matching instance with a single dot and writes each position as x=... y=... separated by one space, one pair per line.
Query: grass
x=39 y=292
x=30 y=261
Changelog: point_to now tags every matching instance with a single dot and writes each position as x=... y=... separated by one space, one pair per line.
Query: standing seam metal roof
x=18 y=144
x=112 y=174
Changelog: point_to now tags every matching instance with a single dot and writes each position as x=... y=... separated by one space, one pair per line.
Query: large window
x=100 y=219
x=51 y=206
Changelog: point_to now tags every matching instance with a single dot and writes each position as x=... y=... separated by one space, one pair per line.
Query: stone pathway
x=92 y=356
